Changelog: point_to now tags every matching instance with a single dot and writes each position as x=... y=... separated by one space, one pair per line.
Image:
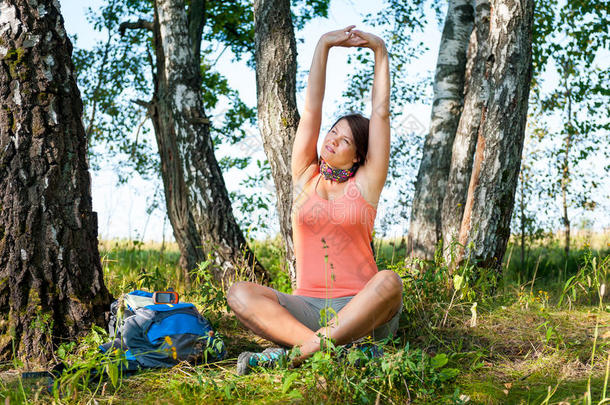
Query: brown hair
x=359 y=125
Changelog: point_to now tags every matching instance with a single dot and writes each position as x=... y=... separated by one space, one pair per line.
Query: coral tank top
x=332 y=242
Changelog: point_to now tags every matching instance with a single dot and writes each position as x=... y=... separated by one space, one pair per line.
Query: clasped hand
x=349 y=37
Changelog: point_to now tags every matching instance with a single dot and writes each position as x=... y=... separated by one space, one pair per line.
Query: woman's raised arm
x=375 y=168
x=304 y=152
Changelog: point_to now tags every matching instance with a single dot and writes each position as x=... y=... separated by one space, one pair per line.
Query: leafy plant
x=585 y=284
x=348 y=375
x=205 y=291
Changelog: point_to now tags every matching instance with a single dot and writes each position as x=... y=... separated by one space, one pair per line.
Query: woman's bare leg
x=373 y=306
x=258 y=308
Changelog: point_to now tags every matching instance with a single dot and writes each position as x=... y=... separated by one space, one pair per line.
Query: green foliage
x=525 y=339
x=111 y=75
x=431 y=290
x=88 y=369
x=258 y=198
x=570 y=126
x=122 y=68
x=304 y=11
x=585 y=285
x=205 y=290
x=546 y=260
x=340 y=375
x=231 y=23
x=271 y=255
x=129 y=265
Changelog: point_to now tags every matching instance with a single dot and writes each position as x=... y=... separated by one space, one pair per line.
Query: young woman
x=335 y=195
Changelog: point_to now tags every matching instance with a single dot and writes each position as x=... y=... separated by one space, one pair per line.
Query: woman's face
x=338 y=148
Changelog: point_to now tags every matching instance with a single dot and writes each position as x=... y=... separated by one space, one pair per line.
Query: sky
x=122 y=210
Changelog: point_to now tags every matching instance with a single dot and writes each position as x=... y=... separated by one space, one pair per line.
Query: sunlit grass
x=529 y=344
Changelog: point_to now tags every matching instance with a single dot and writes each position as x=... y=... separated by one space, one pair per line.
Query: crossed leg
x=258 y=308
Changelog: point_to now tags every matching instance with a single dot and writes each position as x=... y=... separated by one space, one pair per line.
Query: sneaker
x=269 y=358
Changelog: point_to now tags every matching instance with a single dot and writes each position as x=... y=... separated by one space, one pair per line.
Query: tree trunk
x=565 y=175
x=278 y=118
x=197 y=201
x=51 y=280
x=462 y=155
x=522 y=216
x=486 y=223
x=425 y=227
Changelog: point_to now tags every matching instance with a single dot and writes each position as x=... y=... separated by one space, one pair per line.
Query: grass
x=534 y=340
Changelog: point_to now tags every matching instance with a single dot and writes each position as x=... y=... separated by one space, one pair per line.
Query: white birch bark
x=476 y=95
x=197 y=200
x=486 y=221
x=425 y=224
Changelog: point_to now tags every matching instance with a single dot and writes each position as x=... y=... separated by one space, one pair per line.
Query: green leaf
x=355 y=355
x=113 y=372
x=457 y=282
x=228 y=392
x=448 y=374
x=439 y=360
x=288 y=379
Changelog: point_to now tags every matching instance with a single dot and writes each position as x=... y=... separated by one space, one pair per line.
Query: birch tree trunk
x=198 y=204
x=51 y=280
x=491 y=193
x=425 y=226
x=462 y=155
x=278 y=117
x=565 y=169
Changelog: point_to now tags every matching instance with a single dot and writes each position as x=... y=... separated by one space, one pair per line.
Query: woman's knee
x=238 y=296
x=390 y=284
x=244 y=294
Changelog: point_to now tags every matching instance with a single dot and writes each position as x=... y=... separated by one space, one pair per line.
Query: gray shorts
x=307 y=311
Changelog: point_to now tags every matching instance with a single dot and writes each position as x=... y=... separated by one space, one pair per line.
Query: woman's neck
x=337 y=175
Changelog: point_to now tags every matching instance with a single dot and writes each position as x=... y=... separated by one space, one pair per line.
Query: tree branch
x=199 y=120
x=140 y=24
x=142 y=103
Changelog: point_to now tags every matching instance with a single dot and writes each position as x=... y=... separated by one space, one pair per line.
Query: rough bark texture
x=51 y=281
x=476 y=94
x=197 y=201
x=425 y=226
x=486 y=221
x=278 y=117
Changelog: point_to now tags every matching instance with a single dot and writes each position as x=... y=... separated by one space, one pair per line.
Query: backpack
x=160 y=335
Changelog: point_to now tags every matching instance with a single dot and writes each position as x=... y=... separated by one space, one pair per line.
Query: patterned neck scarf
x=338 y=175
